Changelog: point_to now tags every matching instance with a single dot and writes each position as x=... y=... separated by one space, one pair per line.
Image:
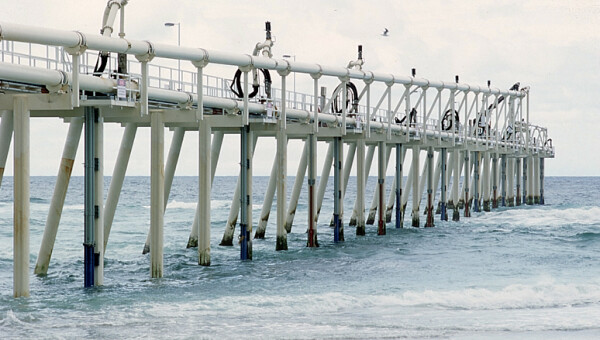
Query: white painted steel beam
x=6 y=131
x=215 y=150
x=298 y=181
x=157 y=194
x=21 y=197
x=367 y=167
x=204 y=189
x=116 y=181
x=58 y=198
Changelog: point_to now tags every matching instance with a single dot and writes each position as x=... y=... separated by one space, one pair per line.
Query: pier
x=479 y=147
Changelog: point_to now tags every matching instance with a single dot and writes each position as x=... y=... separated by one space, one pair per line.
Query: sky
x=552 y=46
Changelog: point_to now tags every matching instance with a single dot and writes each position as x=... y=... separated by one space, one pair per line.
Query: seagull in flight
x=385 y=32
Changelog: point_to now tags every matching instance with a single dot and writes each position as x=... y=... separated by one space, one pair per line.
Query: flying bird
x=385 y=32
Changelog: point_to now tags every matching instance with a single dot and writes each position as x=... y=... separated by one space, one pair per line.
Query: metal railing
x=167 y=77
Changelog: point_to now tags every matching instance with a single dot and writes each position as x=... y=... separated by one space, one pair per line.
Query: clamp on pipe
x=62 y=86
x=187 y=105
x=144 y=59
x=76 y=51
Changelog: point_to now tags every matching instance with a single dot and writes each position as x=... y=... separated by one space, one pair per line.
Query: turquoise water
x=529 y=271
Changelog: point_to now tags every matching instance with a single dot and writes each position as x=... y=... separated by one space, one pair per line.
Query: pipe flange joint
x=189 y=103
x=250 y=66
x=62 y=86
x=346 y=77
x=80 y=47
x=319 y=74
x=391 y=82
x=201 y=62
x=285 y=71
x=148 y=56
x=369 y=80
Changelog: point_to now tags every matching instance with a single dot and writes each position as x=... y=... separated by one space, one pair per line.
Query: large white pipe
x=6 y=130
x=58 y=198
x=51 y=78
x=116 y=181
x=21 y=198
x=47 y=36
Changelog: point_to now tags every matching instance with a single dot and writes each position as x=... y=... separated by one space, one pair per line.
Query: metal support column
x=381 y=150
x=525 y=184
x=542 y=181
x=267 y=201
x=360 y=187
x=281 y=243
x=430 y=213
x=531 y=180
x=510 y=183
x=21 y=197
x=99 y=202
x=443 y=199
x=157 y=192
x=298 y=181
x=476 y=182
x=495 y=181
x=503 y=180
x=536 y=180
x=89 y=210
x=415 y=188
x=349 y=159
x=455 y=180
x=6 y=131
x=215 y=150
x=324 y=179
x=246 y=194
x=58 y=198
x=116 y=181
x=486 y=181
x=170 y=167
x=399 y=179
x=368 y=162
x=517 y=174
x=312 y=202
x=338 y=196
x=204 y=189
x=466 y=180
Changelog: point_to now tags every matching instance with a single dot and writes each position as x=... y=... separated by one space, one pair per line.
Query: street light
x=286 y=56
x=171 y=24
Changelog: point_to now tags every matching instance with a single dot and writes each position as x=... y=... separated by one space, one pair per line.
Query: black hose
x=412 y=118
x=236 y=84
x=351 y=97
x=447 y=119
x=101 y=63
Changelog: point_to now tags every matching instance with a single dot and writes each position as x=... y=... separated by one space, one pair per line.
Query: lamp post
x=178 y=24
x=292 y=56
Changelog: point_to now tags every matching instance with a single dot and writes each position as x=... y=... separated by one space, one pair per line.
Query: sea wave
x=542 y=217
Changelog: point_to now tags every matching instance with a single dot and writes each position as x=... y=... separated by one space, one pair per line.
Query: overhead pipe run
x=55 y=37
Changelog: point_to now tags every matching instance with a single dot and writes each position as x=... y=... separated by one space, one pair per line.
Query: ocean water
x=523 y=272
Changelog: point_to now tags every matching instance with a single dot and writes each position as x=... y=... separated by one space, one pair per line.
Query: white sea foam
x=541 y=217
